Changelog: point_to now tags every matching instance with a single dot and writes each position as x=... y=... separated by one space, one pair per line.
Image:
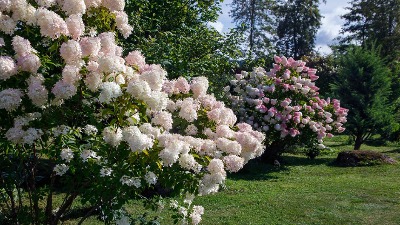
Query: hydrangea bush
x=109 y=126
x=284 y=103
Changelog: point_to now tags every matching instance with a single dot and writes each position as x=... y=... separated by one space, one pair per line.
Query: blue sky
x=331 y=23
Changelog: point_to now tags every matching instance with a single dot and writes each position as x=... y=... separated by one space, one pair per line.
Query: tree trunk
x=359 y=140
x=273 y=152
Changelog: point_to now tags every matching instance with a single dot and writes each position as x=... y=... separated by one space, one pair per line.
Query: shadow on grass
x=393 y=151
x=259 y=170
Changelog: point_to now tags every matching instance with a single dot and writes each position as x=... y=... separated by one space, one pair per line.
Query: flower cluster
x=284 y=103
x=111 y=120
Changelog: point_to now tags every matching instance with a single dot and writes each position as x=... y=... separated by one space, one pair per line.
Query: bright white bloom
x=199 y=86
x=150 y=178
x=112 y=136
x=60 y=169
x=136 y=140
x=105 y=172
x=139 y=89
x=195 y=216
x=155 y=77
x=109 y=91
x=90 y=130
x=130 y=181
x=8 y=68
x=10 y=99
x=67 y=154
x=88 y=154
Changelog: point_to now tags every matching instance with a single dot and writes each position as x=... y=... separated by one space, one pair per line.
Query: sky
x=331 y=22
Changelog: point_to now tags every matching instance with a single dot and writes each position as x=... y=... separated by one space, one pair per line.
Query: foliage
x=297 y=25
x=254 y=17
x=284 y=103
x=177 y=35
x=109 y=127
x=327 y=68
x=364 y=85
x=373 y=21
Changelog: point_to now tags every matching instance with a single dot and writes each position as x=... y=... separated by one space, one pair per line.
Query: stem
x=49 y=204
x=88 y=214
x=64 y=207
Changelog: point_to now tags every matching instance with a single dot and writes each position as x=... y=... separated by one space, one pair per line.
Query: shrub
x=109 y=126
x=284 y=103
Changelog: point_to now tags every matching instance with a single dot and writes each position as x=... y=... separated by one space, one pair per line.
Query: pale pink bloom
x=36 y=90
x=182 y=85
x=233 y=163
x=114 y=5
x=228 y=146
x=135 y=58
x=5 y=5
x=63 y=90
x=155 y=77
x=191 y=129
x=70 y=74
x=50 y=23
x=22 y=46
x=163 y=119
x=71 y=51
x=7 y=24
x=92 y=3
x=71 y=7
x=93 y=81
x=75 y=26
x=46 y=3
x=29 y=63
x=137 y=140
x=8 y=68
x=10 y=99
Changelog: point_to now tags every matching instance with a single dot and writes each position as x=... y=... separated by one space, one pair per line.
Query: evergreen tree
x=364 y=85
x=254 y=18
x=370 y=21
x=297 y=24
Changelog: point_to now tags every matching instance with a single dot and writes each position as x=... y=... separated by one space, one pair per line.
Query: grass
x=305 y=191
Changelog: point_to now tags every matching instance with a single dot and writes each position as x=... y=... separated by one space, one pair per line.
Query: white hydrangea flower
x=61 y=169
x=67 y=154
x=109 y=91
x=10 y=99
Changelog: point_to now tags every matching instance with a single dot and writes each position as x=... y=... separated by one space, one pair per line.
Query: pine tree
x=297 y=24
x=373 y=21
x=363 y=85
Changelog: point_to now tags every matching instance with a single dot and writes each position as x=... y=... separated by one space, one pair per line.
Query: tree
x=363 y=85
x=297 y=24
x=373 y=21
x=254 y=17
x=176 y=35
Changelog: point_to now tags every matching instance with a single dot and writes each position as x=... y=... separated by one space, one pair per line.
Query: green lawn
x=306 y=191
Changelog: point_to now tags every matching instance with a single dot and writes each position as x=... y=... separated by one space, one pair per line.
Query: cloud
x=217 y=25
